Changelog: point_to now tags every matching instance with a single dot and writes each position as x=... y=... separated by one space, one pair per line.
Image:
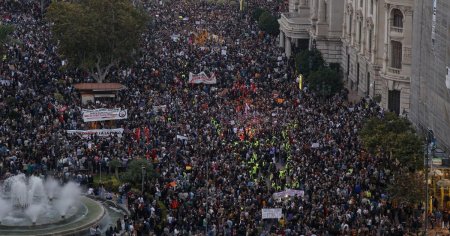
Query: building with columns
x=313 y=23
x=376 y=50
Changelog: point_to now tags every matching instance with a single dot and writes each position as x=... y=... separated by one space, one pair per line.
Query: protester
x=220 y=151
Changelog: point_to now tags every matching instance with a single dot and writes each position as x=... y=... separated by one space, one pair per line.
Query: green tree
x=133 y=174
x=257 y=13
x=407 y=188
x=269 y=23
x=325 y=82
x=396 y=137
x=115 y=164
x=5 y=31
x=308 y=61
x=96 y=35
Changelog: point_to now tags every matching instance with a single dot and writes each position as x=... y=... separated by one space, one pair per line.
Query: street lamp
x=100 y=167
x=430 y=140
x=207 y=192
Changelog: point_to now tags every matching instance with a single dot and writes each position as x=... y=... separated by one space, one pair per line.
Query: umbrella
x=443 y=183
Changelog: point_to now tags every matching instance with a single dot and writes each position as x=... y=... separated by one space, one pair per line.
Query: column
x=281 y=39
x=386 y=38
x=287 y=49
x=322 y=12
x=314 y=12
x=407 y=27
x=322 y=26
x=363 y=36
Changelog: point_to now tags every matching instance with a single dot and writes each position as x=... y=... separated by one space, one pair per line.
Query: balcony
x=394 y=71
x=396 y=32
x=397 y=29
x=395 y=74
x=294 y=25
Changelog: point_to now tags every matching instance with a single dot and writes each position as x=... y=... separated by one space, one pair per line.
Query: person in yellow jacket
x=282 y=222
x=282 y=174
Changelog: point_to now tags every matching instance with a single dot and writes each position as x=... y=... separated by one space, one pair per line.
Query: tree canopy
x=396 y=137
x=96 y=35
x=308 y=61
x=407 y=188
x=5 y=31
x=133 y=174
x=257 y=13
x=268 y=23
x=325 y=82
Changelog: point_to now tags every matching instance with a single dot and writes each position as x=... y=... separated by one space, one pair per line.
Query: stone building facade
x=313 y=24
x=376 y=50
x=430 y=79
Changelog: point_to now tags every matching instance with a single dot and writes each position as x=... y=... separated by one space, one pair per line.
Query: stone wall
x=330 y=49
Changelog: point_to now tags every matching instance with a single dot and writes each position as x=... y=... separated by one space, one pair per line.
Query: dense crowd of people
x=252 y=134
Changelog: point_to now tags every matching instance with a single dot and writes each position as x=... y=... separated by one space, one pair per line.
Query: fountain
x=34 y=206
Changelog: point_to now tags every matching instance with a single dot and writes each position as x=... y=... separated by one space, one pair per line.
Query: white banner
x=5 y=82
x=289 y=193
x=202 y=78
x=182 y=137
x=98 y=132
x=104 y=114
x=271 y=213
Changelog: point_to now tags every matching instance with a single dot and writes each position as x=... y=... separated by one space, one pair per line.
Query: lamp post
x=207 y=191
x=100 y=167
x=42 y=8
x=430 y=139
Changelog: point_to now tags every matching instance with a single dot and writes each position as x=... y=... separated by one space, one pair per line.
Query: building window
x=397 y=18
x=394 y=101
x=370 y=41
x=396 y=55
x=361 y=3
x=357 y=76
x=360 y=32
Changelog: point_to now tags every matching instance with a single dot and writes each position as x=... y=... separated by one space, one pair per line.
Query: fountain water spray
x=69 y=196
x=52 y=187
x=5 y=208
x=26 y=201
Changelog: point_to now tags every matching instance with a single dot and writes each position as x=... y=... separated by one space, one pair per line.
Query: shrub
x=269 y=23
x=257 y=13
x=325 y=82
x=308 y=61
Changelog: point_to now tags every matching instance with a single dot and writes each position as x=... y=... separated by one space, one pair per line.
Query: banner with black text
x=98 y=132
x=104 y=114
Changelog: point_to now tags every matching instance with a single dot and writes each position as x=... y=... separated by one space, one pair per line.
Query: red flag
x=147 y=134
x=154 y=154
x=253 y=87
x=137 y=133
